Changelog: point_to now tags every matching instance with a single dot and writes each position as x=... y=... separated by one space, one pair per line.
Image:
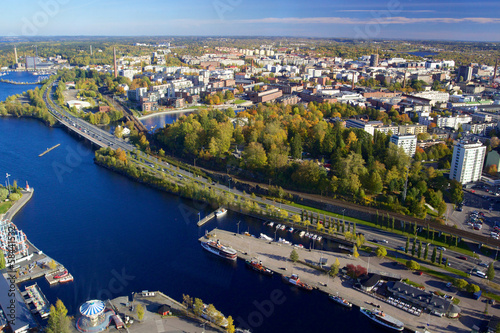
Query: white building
x=467 y=161
x=434 y=96
x=407 y=142
x=452 y=122
x=353 y=123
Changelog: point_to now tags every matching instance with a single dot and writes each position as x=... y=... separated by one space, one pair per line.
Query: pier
x=20 y=83
x=52 y=279
x=206 y=219
x=40 y=302
x=49 y=149
x=275 y=256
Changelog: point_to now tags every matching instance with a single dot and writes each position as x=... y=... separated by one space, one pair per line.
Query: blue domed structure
x=95 y=317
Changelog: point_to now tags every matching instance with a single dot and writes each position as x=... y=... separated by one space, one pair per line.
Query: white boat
x=307 y=235
x=278 y=226
x=221 y=211
x=315 y=237
x=284 y=241
x=266 y=237
x=210 y=316
x=283 y=227
x=341 y=301
x=302 y=233
x=271 y=224
x=291 y=229
x=217 y=248
x=319 y=238
x=383 y=319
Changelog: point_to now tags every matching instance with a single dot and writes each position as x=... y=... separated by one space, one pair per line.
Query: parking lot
x=482 y=200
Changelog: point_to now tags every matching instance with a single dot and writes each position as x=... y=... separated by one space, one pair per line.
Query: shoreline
x=18 y=205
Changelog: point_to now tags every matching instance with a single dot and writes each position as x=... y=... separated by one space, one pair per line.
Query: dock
x=275 y=256
x=206 y=219
x=49 y=149
x=40 y=302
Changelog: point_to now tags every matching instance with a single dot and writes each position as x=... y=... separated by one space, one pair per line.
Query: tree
x=413 y=247
x=118 y=132
x=490 y=274
x=355 y=251
x=381 y=252
x=294 y=256
x=473 y=288
x=2 y=260
x=461 y=284
x=374 y=184
x=58 y=320
x=407 y=244
x=412 y=265
x=187 y=301
x=14 y=197
x=457 y=193
x=296 y=219
x=426 y=251
x=255 y=156
x=140 y=312
x=198 y=306
x=433 y=257
x=4 y=193
x=230 y=325
x=440 y=257
x=334 y=268
x=492 y=169
x=419 y=251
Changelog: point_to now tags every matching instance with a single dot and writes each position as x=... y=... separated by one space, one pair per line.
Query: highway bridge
x=82 y=128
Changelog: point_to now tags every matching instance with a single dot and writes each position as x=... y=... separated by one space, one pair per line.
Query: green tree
x=490 y=274
x=440 y=257
x=407 y=244
x=4 y=193
x=294 y=256
x=254 y=156
x=426 y=251
x=433 y=257
x=412 y=265
x=456 y=191
x=419 y=251
x=473 y=288
x=381 y=252
x=2 y=260
x=58 y=320
x=413 y=247
x=140 y=312
x=374 y=184
x=461 y=284
x=334 y=268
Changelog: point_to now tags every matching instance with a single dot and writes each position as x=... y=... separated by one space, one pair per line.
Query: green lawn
x=239 y=101
x=4 y=207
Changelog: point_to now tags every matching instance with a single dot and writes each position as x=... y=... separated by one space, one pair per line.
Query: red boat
x=61 y=275
x=257 y=266
x=294 y=280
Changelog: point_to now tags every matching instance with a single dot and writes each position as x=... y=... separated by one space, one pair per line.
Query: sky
x=367 y=19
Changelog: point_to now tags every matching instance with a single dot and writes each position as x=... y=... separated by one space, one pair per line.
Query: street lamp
x=238 y=224
x=199 y=217
x=275 y=231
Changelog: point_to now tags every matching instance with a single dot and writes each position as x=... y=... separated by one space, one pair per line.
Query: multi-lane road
x=104 y=139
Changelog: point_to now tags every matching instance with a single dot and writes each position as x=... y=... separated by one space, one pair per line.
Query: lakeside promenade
x=16 y=207
x=275 y=256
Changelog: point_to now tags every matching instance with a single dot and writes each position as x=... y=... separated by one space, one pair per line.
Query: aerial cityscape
x=231 y=166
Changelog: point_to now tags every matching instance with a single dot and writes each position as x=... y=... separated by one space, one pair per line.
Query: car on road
x=401 y=248
x=480 y=274
x=483 y=264
x=441 y=248
x=443 y=261
x=462 y=257
x=384 y=241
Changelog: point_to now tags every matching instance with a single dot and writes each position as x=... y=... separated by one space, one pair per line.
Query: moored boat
x=67 y=278
x=218 y=249
x=341 y=301
x=291 y=229
x=221 y=211
x=302 y=233
x=294 y=280
x=383 y=319
x=266 y=237
x=257 y=266
x=61 y=275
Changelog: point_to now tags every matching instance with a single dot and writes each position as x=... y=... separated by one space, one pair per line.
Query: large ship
x=217 y=248
x=341 y=301
x=294 y=280
x=383 y=319
x=256 y=265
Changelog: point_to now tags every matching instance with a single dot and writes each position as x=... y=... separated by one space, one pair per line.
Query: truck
x=477 y=295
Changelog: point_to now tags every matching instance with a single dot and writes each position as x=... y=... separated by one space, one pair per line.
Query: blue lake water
x=117 y=237
x=7 y=89
x=159 y=121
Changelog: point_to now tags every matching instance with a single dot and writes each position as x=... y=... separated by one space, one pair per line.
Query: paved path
x=275 y=256
x=16 y=207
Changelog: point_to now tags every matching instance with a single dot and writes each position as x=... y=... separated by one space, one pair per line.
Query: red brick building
x=264 y=96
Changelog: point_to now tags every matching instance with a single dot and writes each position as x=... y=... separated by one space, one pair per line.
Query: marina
x=59 y=277
x=206 y=219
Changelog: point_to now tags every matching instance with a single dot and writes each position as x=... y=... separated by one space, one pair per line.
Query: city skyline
x=395 y=19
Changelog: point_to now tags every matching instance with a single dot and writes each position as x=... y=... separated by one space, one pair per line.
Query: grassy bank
x=5 y=206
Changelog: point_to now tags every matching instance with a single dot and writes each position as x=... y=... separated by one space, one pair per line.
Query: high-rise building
x=374 y=60
x=407 y=142
x=464 y=72
x=467 y=161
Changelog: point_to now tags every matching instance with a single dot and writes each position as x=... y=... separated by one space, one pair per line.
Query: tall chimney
x=114 y=59
x=91 y=51
x=352 y=87
x=404 y=81
x=495 y=71
x=15 y=54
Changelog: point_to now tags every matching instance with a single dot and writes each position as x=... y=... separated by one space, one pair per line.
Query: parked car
x=483 y=264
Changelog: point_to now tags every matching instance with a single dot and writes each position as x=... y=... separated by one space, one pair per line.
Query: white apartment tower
x=407 y=142
x=467 y=161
